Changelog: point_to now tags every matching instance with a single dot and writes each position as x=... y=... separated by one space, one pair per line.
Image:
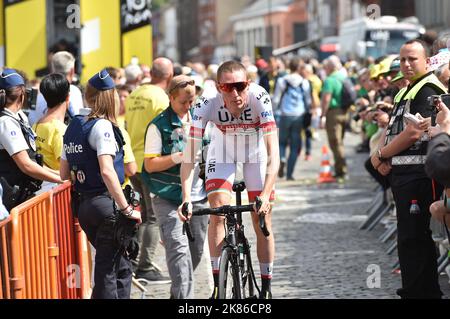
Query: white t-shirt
x=101 y=139
x=11 y=136
x=75 y=104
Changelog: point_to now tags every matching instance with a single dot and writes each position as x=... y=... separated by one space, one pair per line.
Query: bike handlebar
x=223 y=211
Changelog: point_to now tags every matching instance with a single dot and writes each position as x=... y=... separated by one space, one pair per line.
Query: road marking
x=329 y=218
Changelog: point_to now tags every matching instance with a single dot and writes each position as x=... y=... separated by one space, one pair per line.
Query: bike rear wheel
x=230 y=285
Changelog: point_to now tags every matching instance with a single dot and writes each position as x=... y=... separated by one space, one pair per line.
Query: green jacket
x=167 y=184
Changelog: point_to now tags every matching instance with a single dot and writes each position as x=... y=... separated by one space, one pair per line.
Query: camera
x=433 y=100
x=357 y=116
x=31 y=98
x=382 y=106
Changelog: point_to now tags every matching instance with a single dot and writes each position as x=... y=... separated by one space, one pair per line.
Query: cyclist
x=243 y=120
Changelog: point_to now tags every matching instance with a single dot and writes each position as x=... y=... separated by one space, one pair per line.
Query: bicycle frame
x=240 y=249
x=236 y=248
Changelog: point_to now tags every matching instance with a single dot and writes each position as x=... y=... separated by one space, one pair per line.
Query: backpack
x=348 y=95
x=292 y=96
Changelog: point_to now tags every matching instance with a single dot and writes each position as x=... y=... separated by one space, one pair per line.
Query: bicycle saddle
x=239 y=186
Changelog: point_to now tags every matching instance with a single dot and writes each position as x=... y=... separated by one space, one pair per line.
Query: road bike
x=236 y=276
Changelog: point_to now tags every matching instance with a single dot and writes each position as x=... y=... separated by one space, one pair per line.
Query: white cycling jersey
x=235 y=140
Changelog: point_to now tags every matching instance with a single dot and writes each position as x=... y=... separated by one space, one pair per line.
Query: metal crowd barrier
x=44 y=253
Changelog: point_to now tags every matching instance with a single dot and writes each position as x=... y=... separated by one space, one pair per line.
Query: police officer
x=403 y=156
x=20 y=174
x=93 y=158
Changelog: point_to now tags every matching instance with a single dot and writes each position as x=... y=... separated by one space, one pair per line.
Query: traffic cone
x=325 y=168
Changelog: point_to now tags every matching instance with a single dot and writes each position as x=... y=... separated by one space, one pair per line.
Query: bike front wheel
x=230 y=285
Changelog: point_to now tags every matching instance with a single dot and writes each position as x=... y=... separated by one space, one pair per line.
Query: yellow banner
x=25 y=36
x=138 y=43
x=100 y=36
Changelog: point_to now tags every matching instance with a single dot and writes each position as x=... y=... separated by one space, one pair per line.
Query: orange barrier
x=33 y=244
x=68 y=276
x=73 y=261
x=43 y=251
x=5 y=266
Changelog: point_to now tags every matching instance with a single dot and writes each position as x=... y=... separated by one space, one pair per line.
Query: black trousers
x=416 y=249
x=113 y=272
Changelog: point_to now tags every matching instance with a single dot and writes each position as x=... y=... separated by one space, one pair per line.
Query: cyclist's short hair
x=230 y=66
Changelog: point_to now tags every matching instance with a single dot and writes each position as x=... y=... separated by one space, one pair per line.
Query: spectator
x=307 y=71
x=335 y=116
x=141 y=107
x=133 y=75
x=438 y=157
x=269 y=78
x=437 y=160
x=129 y=160
x=116 y=75
x=124 y=92
x=439 y=64
x=163 y=156
x=210 y=81
x=293 y=97
x=442 y=43
x=51 y=128
x=62 y=62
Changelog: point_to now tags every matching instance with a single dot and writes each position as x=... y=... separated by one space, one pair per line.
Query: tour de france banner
x=134 y=14
x=135 y=23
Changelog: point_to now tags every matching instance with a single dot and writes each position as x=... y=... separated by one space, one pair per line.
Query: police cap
x=10 y=78
x=102 y=81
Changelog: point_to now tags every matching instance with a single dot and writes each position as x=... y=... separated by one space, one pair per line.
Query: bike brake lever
x=262 y=220
x=186 y=225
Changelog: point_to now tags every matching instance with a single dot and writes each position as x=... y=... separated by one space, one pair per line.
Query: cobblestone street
x=320 y=251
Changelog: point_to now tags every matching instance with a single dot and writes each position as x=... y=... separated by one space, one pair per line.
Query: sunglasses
x=229 y=87
x=182 y=85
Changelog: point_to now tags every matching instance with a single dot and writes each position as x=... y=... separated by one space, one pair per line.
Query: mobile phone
x=412 y=118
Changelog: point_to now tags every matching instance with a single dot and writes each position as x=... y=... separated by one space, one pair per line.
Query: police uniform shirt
x=419 y=105
x=11 y=136
x=101 y=139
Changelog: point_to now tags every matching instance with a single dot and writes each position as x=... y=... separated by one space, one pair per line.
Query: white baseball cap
x=436 y=61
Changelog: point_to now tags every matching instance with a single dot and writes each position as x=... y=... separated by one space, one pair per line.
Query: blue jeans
x=290 y=128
